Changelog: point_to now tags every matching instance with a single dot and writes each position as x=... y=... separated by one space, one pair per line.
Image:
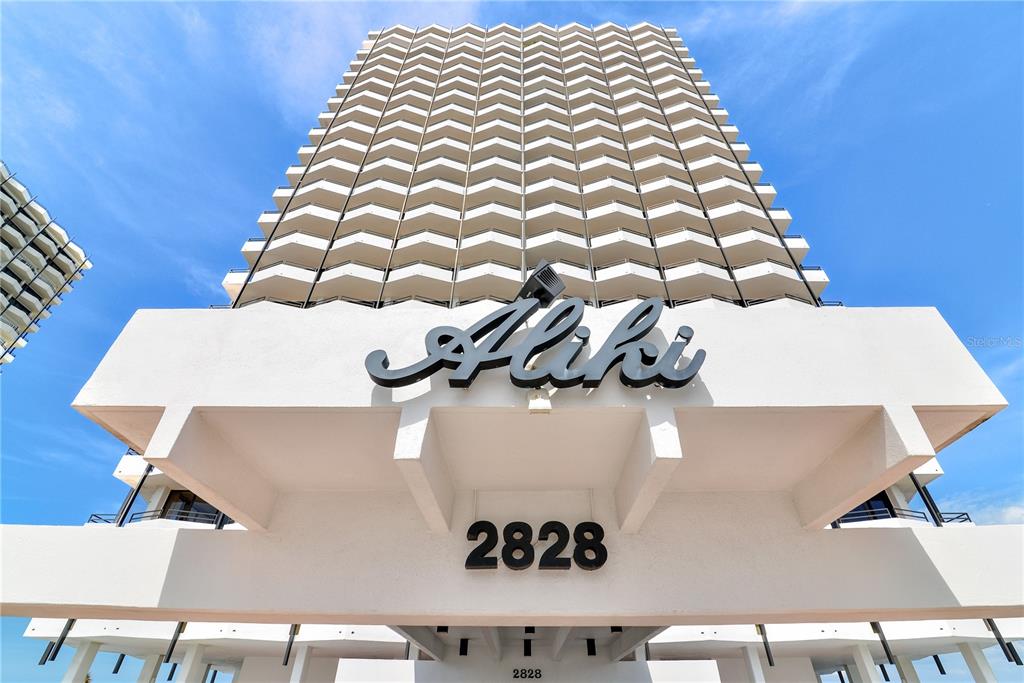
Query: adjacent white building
x=38 y=263
x=687 y=467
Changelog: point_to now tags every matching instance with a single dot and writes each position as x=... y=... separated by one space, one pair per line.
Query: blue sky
x=156 y=133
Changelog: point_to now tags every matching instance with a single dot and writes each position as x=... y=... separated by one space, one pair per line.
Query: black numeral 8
x=590 y=553
x=517 y=553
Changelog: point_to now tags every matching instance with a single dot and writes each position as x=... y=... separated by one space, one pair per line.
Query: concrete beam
x=864 y=665
x=421 y=462
x=887 y=448
x=82 y=660
x=905 y=667
x=300 y=664
x=150 y=667
x=561 y=637
x=653 y=457
x=191 y=452
x=423 y=638
x=630 y=639
x=492 y=640
x=980 y=669
x=752 y=664
x=192 y=668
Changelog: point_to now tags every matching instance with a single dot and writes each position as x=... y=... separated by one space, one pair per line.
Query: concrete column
x=851 y=674
x=864 y=665
x=752 y=664
x=300 y=664
x=905 y=667
x=641 y=653
x=414 y=652
x=80 y=663
x=981 y=670
x=150 y=665
x=192 y=667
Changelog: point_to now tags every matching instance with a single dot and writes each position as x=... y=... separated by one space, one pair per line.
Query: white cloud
x=987 y=506
x=304 y=48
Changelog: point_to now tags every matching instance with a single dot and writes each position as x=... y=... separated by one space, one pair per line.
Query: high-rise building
x=716 y=478
x=448 y=164
x=38 y=263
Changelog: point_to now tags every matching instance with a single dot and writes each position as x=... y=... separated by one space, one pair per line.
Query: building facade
x=526 y=378
x=38 y=263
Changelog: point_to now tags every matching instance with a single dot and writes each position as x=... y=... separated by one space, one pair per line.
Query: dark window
x=187 y=506
x=876 y=507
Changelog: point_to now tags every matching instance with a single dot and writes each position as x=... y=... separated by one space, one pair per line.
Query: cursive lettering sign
x=482 y=347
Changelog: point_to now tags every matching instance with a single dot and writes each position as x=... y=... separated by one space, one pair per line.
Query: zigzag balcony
x=322 y=192
x=628 y=278
x=381 y=191
x=556 y=245
x=589 y=149
x=496 y=167
x=483 y=149
x=657 y=166
x=547 y=146
x=498 y=190
x=610 y=188
x=420 y=278
x=577 y=278
x=279 y=279
x=550 y=167
x=492 y=216
x=490 y=245
x=755 y=244
x=727 y=189
x=453 y=148
x=604 y=166
x=487 y=279
x=334 y=170
x=351 y=280
x=388 y=168
x=615 y=215
x=443 y=167
x=550 y=190
x=674 y=215
x=770 y=279
x=426 y=246
x=666 y=188
x=438 y=190
x=361 y=247
x=438 y=218
x=736 y=216
x=545 y=127
x=685 y=246
x=370 y=217
x=697 y=279
x=554 y=216
x=309 y=218
x=392 y=148
x=693 y=127
x=715 y=166
x=621 y=243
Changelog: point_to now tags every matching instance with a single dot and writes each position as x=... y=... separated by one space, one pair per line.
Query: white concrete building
x=38 y=263
x=717 y=479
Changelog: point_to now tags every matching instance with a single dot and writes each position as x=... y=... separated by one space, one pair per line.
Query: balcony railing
x=955 y=517
x=176 y=515
x=869 y=515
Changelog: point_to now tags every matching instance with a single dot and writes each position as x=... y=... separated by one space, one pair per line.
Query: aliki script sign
x=482 y=346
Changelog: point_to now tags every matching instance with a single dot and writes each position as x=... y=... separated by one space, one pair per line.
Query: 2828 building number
x=518 y=551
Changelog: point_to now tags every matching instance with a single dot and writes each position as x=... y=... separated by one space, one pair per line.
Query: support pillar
x=905 y=667
x=80 y=663
x=864 y=665
x=752 y=664
x=150 y=665
x=192 y=667
x=851 y=674
x=300 y=665
x=981 y=670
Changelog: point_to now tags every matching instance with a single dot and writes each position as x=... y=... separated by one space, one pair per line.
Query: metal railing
x=175 y=515
x=873 y=514
x=102 y=518
x=955 y=518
